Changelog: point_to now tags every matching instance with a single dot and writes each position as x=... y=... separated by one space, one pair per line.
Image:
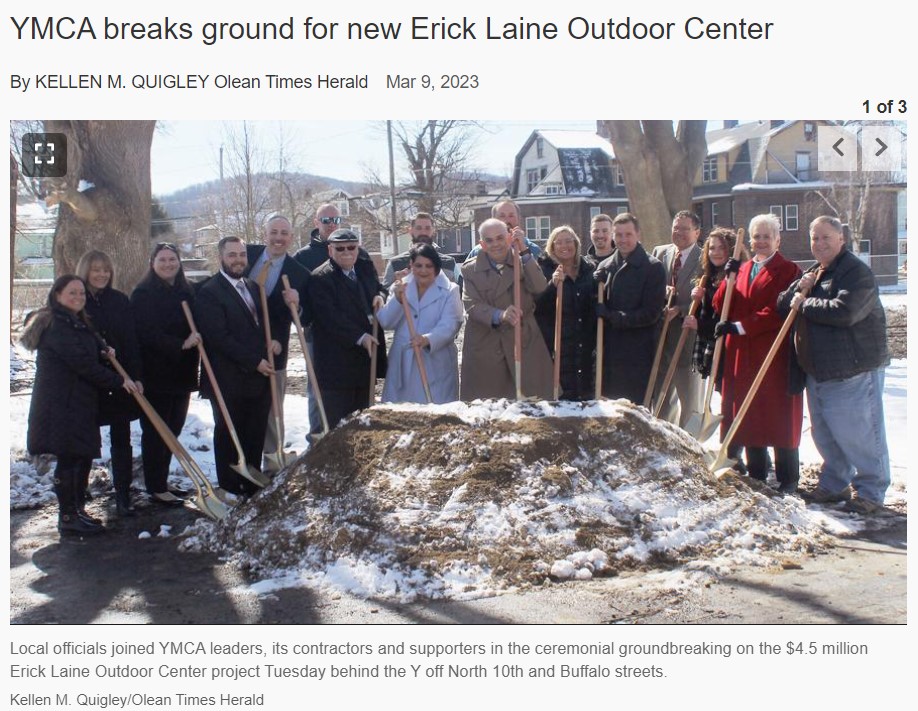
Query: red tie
x=676 y=267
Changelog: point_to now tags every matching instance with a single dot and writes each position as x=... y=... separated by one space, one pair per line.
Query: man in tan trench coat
x=487 y=349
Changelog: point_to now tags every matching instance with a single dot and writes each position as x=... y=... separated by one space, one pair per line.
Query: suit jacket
x=233 y=340
x=685 y=282
x=278 y=311
x=488 y=366
x=341 y=310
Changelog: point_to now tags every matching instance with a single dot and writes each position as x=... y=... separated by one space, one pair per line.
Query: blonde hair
x=550 y=245
x=91 y=257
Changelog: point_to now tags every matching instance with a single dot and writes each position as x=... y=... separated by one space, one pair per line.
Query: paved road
x=119 y=578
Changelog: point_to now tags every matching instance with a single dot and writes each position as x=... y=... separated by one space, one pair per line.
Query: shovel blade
x=278 y=460
x=720 y=462
x=211 y=506
x=702 y=425
x=252 y=474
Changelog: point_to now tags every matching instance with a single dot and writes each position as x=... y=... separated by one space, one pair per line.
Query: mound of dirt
x=464 y=500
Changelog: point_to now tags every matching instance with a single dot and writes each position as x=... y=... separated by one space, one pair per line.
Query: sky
x=187 y=152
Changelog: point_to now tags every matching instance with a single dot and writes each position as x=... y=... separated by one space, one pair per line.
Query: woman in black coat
x=109 y=313
x=169 y=357
x=63 y=417
x=562 y=263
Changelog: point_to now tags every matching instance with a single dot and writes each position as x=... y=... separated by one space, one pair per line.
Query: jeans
x=850 y=433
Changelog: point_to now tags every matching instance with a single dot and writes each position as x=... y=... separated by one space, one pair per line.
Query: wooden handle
x=310 y=369
x=600 y=332
x=559 y=302
x=518 y=327
x=674 y=360
x=658 y=356
x=418 y=356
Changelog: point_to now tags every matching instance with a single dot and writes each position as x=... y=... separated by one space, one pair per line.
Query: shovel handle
x=310 y=368
x=412 y=332
x=559 y=302
x=674 y=361
x=600 y=329
x=518 y=327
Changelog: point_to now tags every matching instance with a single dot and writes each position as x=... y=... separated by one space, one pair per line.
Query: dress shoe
x=72 y=524
x=123 y=506
x=166 y=498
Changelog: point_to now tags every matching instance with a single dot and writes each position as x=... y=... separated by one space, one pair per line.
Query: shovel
x=722 y=460
x=702 y=425
x=310 y=369
x=518 y=328
x=557 y=369
x=655 y=370
x=422 y=369
x=205 y=498
x=374 y=348
x=278 y=459
x=674 y=361
x=600 y=298
x=241 y=467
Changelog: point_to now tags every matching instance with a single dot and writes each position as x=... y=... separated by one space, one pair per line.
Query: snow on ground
x=549 y=503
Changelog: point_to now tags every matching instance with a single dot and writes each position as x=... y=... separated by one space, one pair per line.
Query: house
x=567 y=177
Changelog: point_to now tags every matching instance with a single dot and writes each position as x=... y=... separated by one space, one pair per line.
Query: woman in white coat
x=436 y=307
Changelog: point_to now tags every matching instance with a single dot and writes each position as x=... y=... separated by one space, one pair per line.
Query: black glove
x=722 y=329
x=732 y=266
x=600 y=275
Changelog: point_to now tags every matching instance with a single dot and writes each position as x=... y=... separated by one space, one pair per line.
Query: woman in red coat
x=775 y=417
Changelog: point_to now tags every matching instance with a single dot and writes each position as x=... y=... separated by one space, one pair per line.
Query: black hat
x=343 y=235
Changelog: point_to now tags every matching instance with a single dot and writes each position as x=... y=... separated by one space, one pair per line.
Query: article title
x=416 y=28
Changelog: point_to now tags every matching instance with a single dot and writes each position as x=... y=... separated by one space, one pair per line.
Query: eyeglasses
x=330 y=220
x=348 y=247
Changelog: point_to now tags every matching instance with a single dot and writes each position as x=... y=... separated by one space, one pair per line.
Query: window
x=715 y=213
x=620 y=209
x=533 y=176
x=386 y=242
x=778 y=211
x=709 y=170
x=809 y=131
x=619 y=175
x=343 y=207
x=538 y=228
x=553 y=189
x=791 y=222
x=540 y=148
x=802 y=161
x=595 y=211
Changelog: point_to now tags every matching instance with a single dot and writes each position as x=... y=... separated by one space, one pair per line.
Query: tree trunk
x=659 y=167
x=113 y=213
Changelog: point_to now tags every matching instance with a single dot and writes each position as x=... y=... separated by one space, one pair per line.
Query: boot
x=122 y=469
x=83 y=495
x=67 y=481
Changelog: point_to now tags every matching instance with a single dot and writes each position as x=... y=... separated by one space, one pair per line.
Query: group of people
x=622 y=312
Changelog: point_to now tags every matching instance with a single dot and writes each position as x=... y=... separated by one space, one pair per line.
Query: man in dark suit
x=345 y=295
x=682 y=262
x=229 y=317
x=268 y=263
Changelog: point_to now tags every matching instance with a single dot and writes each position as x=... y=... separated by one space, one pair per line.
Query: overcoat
x=341 y=310
x=635 y=292
x=775 y=417
x=488 y=366
x=110 y=314
x=578 y=326
x=69 y=374
x=161 y=330
x=438 y=316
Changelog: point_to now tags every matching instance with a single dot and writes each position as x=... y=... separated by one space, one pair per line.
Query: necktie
x=262 y=277
x=352 y=275
x=247 y=298
x=677 y=266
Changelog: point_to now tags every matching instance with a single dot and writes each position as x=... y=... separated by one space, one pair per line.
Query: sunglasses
x=330 y=220
x=348 y=247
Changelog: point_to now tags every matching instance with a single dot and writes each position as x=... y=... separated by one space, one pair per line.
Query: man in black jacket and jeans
x=840 y=344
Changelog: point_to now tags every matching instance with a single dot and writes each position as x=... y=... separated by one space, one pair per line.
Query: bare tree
x=659 y=163
x=105 y=196
x=441 y=176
